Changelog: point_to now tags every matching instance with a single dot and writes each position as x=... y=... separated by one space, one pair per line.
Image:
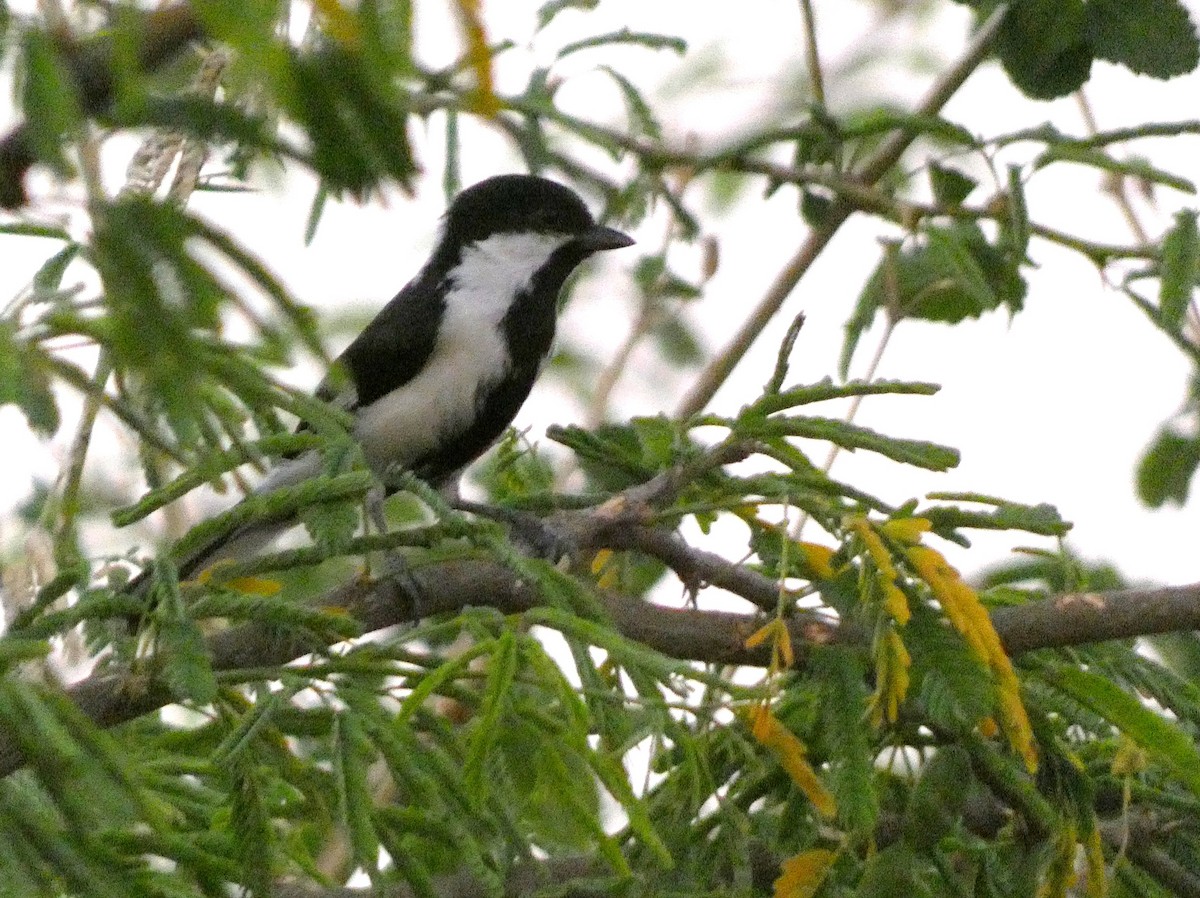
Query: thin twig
x=71 y=479
x=874 y=168
x=812 y=57
x=1116 y=186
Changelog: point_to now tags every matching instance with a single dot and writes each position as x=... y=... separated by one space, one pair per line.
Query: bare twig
x=812 y=58
x=874 y=168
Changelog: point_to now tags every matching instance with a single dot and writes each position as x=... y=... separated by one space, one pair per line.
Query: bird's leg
x=395 y=567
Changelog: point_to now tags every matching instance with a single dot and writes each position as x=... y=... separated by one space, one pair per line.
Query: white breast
x=469 y=356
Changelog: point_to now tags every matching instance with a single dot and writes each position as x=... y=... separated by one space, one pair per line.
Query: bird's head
x=519 y=216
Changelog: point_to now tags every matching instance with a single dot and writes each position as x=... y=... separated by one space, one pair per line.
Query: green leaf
x=253 y=835
x=49 y=277
x=1043 y=47
x=826 y=389
x=936 y=802
x=815 y=207
x=1042 y=519
x=548 y=11
x=1133 y=167
x=502 y=670
x=17 y=650
x=947 y=274
x=641 y=116
x=187 y=668
x=1150 y=37
x=49 y=100
x=1154 y=734
x=1178 y=270
x=1166 y=469
x=950 y=186
x=1015 y=228
x=896 y=871
x=931 y=456
x=678 y=342
x=625 y=36
x=844 y=736
x=24 y=382
x=29 y=229
x=351 y=760
x=953 y=687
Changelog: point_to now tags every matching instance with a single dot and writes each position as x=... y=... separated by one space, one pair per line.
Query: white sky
x=1053 y=407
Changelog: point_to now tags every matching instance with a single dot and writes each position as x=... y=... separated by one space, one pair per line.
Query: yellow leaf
x=874 y=545
x=1014 y=718
x=891 y=679
x=1093 y=859
x=988 y=728
x=251 y=586
x=1130 y=759
x=784 y=655
x=340 y=24
x=968 y=615
x=895 y=603
x=776 y=630
x=818 y=559
x=802 y=874
x=600 y=559
x=605 y=572
x=762 y=634
x=485 y=101
x=1060 y=874
x=255 y=586
x=906 y=530
x=791 y=752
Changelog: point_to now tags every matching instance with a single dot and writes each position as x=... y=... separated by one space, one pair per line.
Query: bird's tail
x=241 y=542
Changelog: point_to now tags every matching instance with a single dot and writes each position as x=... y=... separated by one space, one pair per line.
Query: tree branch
x=1081 y=618
x=874 y=168
x=716 y=637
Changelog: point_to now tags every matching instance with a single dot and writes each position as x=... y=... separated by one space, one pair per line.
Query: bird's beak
x=600 y=238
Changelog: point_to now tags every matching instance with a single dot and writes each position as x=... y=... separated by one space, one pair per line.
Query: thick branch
x=706 y=636
x=1080 y=618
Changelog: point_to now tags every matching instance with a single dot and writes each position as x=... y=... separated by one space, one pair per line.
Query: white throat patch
x=470 y=354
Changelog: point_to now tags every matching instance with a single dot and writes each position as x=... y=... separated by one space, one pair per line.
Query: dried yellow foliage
x=604 y=570
x=781 y=643
x=891 y=678
x=339 y=22
x=255 y=586
x=470 y=14
x=818 y=559
x=791 y=753
x=1060 y=874
x=966 y=613
x=906 y=530
x=1130 y=758
x=1096 y=885
x=251 y=586
x=895 y=603
x=802 y=874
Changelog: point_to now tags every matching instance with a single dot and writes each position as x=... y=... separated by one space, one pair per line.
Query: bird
x=440 y=372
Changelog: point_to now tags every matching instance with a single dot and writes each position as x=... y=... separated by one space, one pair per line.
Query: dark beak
x=599 y=238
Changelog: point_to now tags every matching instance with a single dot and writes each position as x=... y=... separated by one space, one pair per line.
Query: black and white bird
x=436 y=377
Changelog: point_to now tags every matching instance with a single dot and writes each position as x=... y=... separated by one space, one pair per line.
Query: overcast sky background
x=1053 y=406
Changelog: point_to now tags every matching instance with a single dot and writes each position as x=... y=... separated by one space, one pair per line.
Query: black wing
x=392 y=349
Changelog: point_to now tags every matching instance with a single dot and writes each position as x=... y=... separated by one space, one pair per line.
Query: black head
x=516 y=204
